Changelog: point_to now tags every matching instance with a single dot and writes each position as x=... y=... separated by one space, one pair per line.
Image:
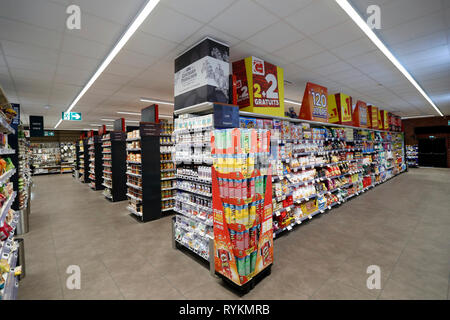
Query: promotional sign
x=202 y=74
x=119 y=125
x=315 y=103
x=36 y=126
x=102 y=130
x=373 y=115
x=385 y=116
x=259 y=86
x=340 y=109
x=333 y=113
x=360 y=116
x=71 y=116
x=380 y=120
x=49 y=133
x=150 y=114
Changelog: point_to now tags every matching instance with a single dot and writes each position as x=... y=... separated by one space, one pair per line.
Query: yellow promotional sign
x=333 y=114
x=259 y=86
x=345 y=110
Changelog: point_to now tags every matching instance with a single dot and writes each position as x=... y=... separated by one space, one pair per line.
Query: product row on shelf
x=412 y=155
x=53 y=157
x=24 y=170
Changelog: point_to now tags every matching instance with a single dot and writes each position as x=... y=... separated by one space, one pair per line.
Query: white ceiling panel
x=20 y=32
x=41 y=13
x=299 y=51
x=165 y=23
x=26 y=64
x=118 y=11
x=354 y=48
x=77 y=61
x=273 y=32
x=134 y=59
x=200 y=10
x=322 y=59
x=208 y=31
x=29 y=52
x=83 y=47
x=148 y=44
x=317 y=16
x=243 y=19
x=97 y=29
x=347 y=33
x=284 y=8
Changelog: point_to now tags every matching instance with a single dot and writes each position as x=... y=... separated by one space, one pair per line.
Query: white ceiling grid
x=43 y=63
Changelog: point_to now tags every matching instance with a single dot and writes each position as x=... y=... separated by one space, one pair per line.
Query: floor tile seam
x=398 y=258
x=57 y=264
x=164 y=277
x=114 y=281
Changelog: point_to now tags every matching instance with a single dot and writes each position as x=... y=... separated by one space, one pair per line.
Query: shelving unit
x=84 y=161
x=68 y=156
x=95 y=164
x=315 y=168
x=412 y=156
x=193 y=200
x=144 y=176
x=114 y=166
x=46 y=158
x=9 y=217
x=167 y=167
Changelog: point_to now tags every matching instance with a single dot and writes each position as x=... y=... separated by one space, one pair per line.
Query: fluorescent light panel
x=130 y=113
x=157 y=101
x=151 y=4
x=292 y=102
x=347 y=7
x=417 y=117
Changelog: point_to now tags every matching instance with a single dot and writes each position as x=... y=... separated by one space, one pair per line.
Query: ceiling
x=42 y=63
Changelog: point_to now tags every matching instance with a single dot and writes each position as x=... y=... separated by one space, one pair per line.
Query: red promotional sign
x=360 y=116
x=265 y=84
x=315 y=103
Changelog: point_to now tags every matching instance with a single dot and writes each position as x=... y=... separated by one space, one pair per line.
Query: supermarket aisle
x=402 y=226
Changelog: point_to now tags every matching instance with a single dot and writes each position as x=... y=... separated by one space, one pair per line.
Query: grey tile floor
x=402 y=226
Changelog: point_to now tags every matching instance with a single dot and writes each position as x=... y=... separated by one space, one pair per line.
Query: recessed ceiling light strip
x=156 y=101
x=151 y=4
x=347 y=7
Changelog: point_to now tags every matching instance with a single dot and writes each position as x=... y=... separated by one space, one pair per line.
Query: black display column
x=119 y=166
x=151 y=174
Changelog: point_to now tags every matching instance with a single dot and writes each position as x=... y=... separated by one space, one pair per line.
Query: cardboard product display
x=259 y=86
x=242 y=204
x=373 y=114
x=315 y=103
x=202 y=74
x=360 y=115
x=340 y=109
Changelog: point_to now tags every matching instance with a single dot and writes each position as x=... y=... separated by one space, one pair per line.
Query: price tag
x=289 y=228
x=321 y=211
x=288 y=209
x=329 y=207
x=309 y=217
x=303 y=168
x=307 y=199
